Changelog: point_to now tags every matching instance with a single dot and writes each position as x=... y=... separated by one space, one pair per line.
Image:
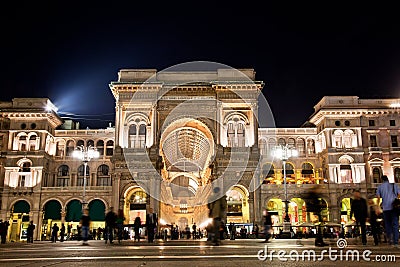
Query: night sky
x=70 y=51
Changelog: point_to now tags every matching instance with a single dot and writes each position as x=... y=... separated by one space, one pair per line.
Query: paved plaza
x=241 y=252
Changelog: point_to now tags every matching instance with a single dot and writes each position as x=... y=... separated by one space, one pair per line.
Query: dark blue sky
x=70 y=51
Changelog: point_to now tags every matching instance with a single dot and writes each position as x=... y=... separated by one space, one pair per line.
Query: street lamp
x=85 y=154
x=284 y=152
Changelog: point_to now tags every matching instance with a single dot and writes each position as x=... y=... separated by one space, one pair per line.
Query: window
x=291 y=142
x=63 y=170
x=110 y=148
x=372 y=141
x=81 y=175
x=70 y=148
x=23 y=126
x=337 y=123
x=60 y=148
x=90 y=143
x=26 y=167
x=33 y=125
x=100 y=147
x=236 y=130
x=281 y=142
x=397 y=175
x=103 y=177
x=392 y=123
x=376 y=175
x=311 y=146
x=338 y=139
x=347 y=123
x=268 y=173
x=393 y=139
x=301 y=147
x=263 y=147
x=80 y=143
x=371 y=122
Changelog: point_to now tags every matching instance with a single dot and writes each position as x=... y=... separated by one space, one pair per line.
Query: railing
x=77 y=188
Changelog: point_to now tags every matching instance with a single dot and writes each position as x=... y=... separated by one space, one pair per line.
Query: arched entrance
x=345 y=210
x=19 y=221
x=73 y=216
x=51 y=215
x=238 y=208
x=97 y=210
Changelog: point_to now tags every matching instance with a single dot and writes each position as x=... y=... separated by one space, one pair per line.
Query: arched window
x=109 y=148
x=103 y=176
x=281 y=142
x=70 y=147
x=338 y=139
x=311 y=147
x=33 y=142
x=271 y=145
x=291 y=143
x=100 y=147
x=307 y=171
x=263 y=147
x=376 y=175
x=268 y=173
x=397 y=175
x=236 y=124
x=80 y=143
x=90 y=143
x=289 y=170
x=21 y=139
x=60 y=148
x=137 y=131
x=81 y=175
x=139 y=197
x=348 y=138
x=63 y=176
x=301 y=147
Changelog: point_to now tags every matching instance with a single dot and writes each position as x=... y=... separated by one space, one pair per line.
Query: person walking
x=136 y=228
x=69 y=228
x=256 y=231
x=232 y=231
x=194 y=233
x=30 y=230
x=267 y=226
x=3 y=230
x=151 y=225
x=120 y=225
x=359 y=209
x=54 y=233
x=217 y=206
x=85 y=225
x=373 y=220
x=110 y=219
x=388 y=192
x=62 y=232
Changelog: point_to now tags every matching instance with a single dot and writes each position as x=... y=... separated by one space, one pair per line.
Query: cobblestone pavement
x=241 y=252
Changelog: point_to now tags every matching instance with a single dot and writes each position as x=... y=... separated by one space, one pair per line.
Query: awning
x=97 y=210
x=307 y=171
x=289 y=171
x=52 y=210
x=21 y=206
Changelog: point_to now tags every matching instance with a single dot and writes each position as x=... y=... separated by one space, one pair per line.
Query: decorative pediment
x=395 y=162
x=376 y=162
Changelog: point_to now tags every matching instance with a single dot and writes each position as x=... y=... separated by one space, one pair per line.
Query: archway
x=19 y=220
x=345 y=210
x=51 y=215
x=97 y=210
x=238 y=207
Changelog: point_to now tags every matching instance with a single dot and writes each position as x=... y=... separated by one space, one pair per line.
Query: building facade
x=175 y=139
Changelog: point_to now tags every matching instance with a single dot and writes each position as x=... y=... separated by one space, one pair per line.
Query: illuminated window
x=376 y=175
x=103 y=176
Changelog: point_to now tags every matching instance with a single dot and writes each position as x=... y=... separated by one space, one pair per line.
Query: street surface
x=240 y=252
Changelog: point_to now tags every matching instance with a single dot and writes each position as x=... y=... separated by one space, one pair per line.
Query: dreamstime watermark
x=333 y=254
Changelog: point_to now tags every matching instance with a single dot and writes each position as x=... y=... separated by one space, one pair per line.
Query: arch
x=73 y=211
x=103 y=175
x=21 y=206
x=346 y=159
x=281 y=142
x=291 y=142
x=100 y=147
x=70 y=147
x=97 y=210
x=301 y=147
x=52 y=210
x=90 y=142
x=238 y=207
x=24 y=160
x=63 y=171
x=137 y=118
x=236 y=116
x=60 y=147
x=109 y=148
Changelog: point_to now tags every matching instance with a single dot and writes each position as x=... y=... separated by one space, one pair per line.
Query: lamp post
x=284 y=152
x=85 y=154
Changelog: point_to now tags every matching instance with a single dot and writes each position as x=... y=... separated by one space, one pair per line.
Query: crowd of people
x=383 y=223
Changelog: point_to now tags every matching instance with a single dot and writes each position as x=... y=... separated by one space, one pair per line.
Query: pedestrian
x=110 y=219
x=359 y=209
x=232 y=231
x=151 y=225
x=3 y=230
x=256 y=230
x=137 y=224
x=54 y=233
x=62 y=232
x=30 y=230
x=120 y=225
x=194 y=233
x=373 y=220
x=267 y=226
x=99 y=231
x=84 y=223
x=388 y=192
x=217 y=206
x=69 y=228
